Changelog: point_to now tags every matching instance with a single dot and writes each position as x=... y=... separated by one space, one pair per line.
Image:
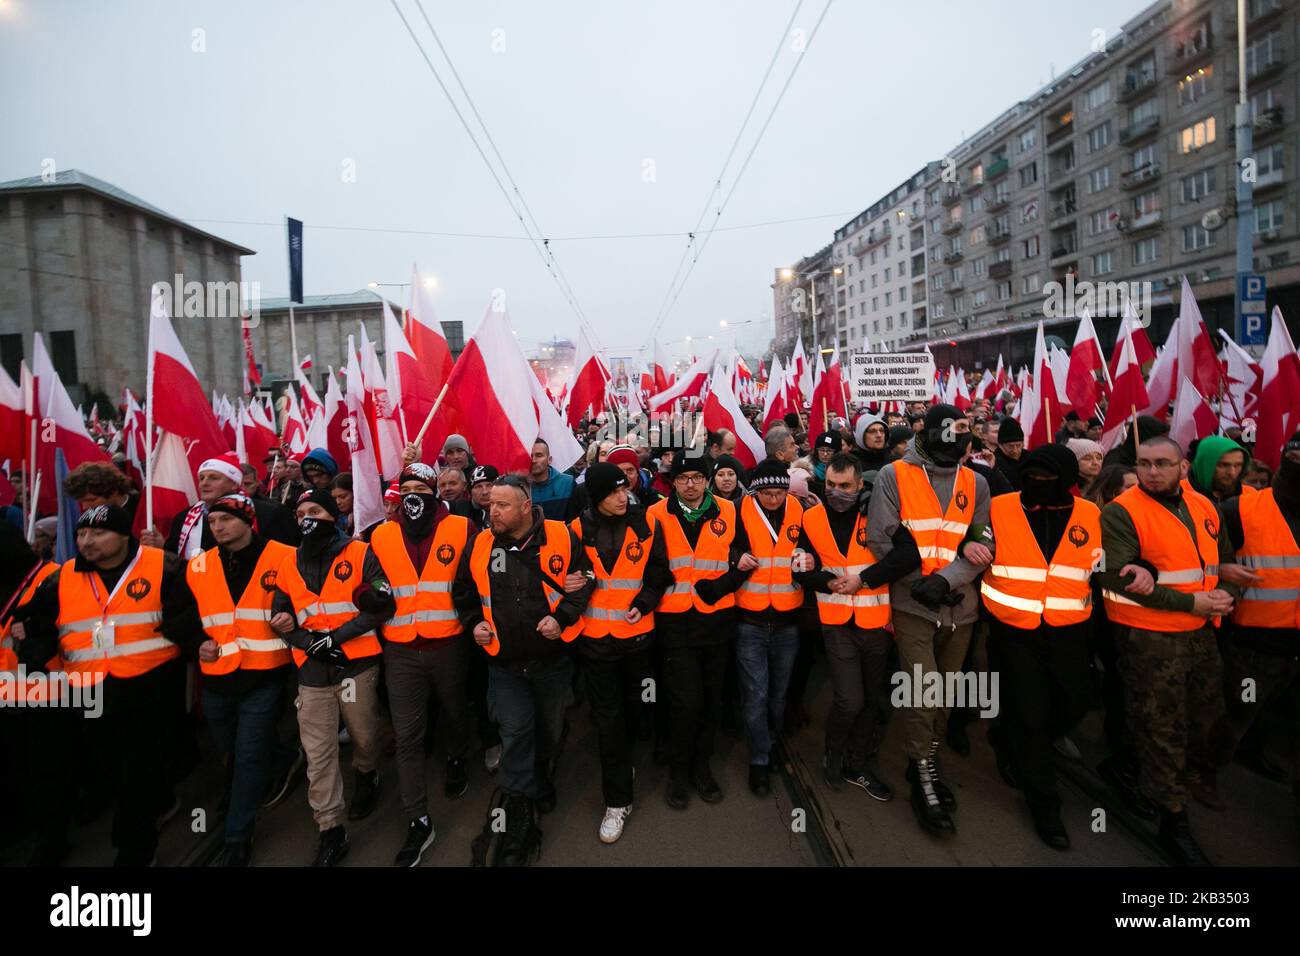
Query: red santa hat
x=227 y=465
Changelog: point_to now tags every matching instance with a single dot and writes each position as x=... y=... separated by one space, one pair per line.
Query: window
x=862 y=286
x=1096 y=97
x=886 y=273
x=980 y=298
x=1147 y=109
x=63 y=353
x=1099 y=179
x=850 y=267
x=1270 y=159
x=902 y=268
x=1099 y=222
x=977 y=266
x=1029 y=285
x=902 y=294
x=873 y=257
x=976 y=203
x=1257 y=8
x=852 y=313
x=1028 y=140
x=1193 y=87
x=875 y=279
x=900 y=244
x=956 y=275
x=1142 y=71
x=977 y=174
x=1002 y=255
x=1263 y=53
x=1146 y=251
x=937 y=310
x=1146 y=202
x=1029 y=174
x=954 y=244
x=889 y=323
x=1196 y=237
x=1268 y=216
x=1004 y=291
x=875 y=303
x=1002 y=225
x=936 y=282
x=1002 y=191
x=1263 y=101
x=1198 y=185
x=957 y=303
x=1145 y=156
x=935 y=225
x=889 y=298
x=1099 y=137
x=1196 y=136
x=875 y=326
x=936 y=253
x=977 y=235
x=1029 y=247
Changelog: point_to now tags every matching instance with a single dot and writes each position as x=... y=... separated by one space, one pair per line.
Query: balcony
x=1263 y=70
x=974 y=185
x=1135 y=85
x=953 y=255
x=952 y=227
x=1184 y=53
x=951 y=196
x=918 y=293
x=1000 y=270
x=1132 y=178
x=997 y=168
x=870 y=241
x=1138 y=131
x=998 y=236
x=1060 y=132
x=1065 y=209
x=956 y=285
x=1268 y=121
x=992 y=201
x=1128 y=225
x=1267 y=235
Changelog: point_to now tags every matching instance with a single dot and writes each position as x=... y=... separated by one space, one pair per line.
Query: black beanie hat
x=1010 y=431
x=106 y=518
x=241 y=506
x=602 y=480
x=702 y=463
x=941 y=414
x=831 y=440
x=418 y=471
x=732 y=462
x=1054 y=459
x=770 y=473
x=897 y=435
x=322 y=497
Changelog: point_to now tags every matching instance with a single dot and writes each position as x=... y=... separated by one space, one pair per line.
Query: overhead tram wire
x=752 y=150
x=717 y=182
x=491 y=169
x=506 y=169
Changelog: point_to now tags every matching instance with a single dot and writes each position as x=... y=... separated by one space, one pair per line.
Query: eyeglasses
x=692 y=478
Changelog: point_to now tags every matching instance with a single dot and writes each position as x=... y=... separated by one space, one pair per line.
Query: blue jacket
x=552 y=495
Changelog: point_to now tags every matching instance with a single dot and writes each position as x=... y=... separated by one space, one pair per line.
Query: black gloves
x=322 y=648
x=931 y=590
x=370 y=600
x=708 y=591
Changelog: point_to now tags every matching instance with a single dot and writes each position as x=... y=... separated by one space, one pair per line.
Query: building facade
x=79 y=259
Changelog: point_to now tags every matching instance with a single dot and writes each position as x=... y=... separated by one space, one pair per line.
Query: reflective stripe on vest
x=709 y=559
x=1023 y=589
x=333 y=607
x=771 y=584
x=556 y=543
x=868 y=607
x=424 y=604
x=617 y=588
x=938 y=534
x=1271 y=551
x=103 y=632
x=242 y=628
x=1185 y=560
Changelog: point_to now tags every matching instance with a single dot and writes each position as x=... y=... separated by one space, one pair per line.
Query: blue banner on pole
x=295 y=261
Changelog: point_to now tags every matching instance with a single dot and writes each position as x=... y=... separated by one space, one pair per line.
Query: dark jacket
x=313 y=569
x=518 y=601
x=1009 y=467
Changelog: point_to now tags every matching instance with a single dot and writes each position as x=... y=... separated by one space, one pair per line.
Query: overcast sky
x=614 y=118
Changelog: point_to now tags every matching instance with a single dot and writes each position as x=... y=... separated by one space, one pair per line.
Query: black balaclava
x=418 y=510
x=943 y=446
x=317 y=533
x=1046 y=476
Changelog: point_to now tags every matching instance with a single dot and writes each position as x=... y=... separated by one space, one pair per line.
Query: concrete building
x=79 y=258
x=880 y=295
x=803 y=302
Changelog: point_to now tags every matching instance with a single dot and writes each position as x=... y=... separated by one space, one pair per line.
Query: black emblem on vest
x=1211 y=528
x=556 y=564
x=1078 y=535
x=343 y=570
x=792 y=533
x=137 y=589
x=634 y=551
x=962 y=501
x=860 y=535
x=268 y=580
x=718 y=526
x=445 y=554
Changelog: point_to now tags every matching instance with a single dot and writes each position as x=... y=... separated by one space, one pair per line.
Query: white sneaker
x=611 y=828
x=492 y=758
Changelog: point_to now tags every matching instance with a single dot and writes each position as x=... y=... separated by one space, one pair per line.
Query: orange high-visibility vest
x=113 y=632
x=617 y=588
x=1271 y=551
x=333 y=606
x=771 y=584
x=242 y=628
x=707 y=560
x=868 y=607
x=424 y=605
x=9 y=652
x=1022 y=588
x=554 y=558
x=938 y=535
x=1184 y=564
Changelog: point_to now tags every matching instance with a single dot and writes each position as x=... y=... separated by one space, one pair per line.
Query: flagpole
x=433 y=411
x=1133 y=410
x=148 y=449
x=293 y=340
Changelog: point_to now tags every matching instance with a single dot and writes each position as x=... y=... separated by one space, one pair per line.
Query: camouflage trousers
x=1174 y=694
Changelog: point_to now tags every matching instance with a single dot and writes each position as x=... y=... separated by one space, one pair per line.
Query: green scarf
x=693 y=515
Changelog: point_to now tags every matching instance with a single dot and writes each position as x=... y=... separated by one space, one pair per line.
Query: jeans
x=527 y=701
x=858 y=661
x=243 y=729
x=764 y=658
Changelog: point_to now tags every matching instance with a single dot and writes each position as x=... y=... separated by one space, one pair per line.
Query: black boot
x=1047 y=821
x=333 y=847
x=1002 y=757
x=946 y=797
x=925 y=800
x=364 y=796
x=1176 y=839
x=1124 y=783
x=833 y=769
x=523 y=840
